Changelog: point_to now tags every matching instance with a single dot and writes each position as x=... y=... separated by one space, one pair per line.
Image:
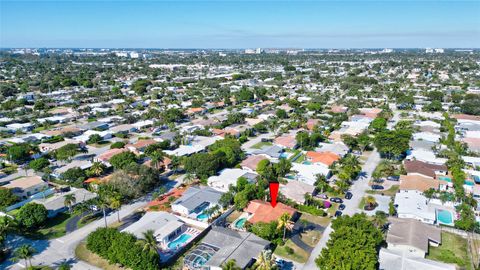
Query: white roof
x=426 y=136
x=306 y=173
x=141 y=124
x=472 y=134
x=396 y=260
x=185 y=150
x=161 y=223
x=427 y=156
x=411 y=202
x=225 y=178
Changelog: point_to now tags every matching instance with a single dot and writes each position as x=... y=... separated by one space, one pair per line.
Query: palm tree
x=379 y=219
x=149 y=241
x=97 y=168
x=370 y=201
x=265 y=261
x=188 y=179
x=230 y=265
x=69 y=200
x=116 y=203
x=285 y=223
x=321 y=183
x=64 y=266
x=429 y=193
x=6 y=224
x=157 y=159
x=25 y=252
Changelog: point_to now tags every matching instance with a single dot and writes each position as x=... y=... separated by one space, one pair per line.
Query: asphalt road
x=56 y=251
x=351 y=206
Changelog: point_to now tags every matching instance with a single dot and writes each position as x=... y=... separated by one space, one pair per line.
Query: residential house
x=322 y=158
x=229 y=177
x=412 y=204
x=26 y=186
x=221 y=245
x=166 y=227
x=296 y=190
x=261 y=211
x=195 y=200
x=251 y=162
x=286 y=141
x=416 y=167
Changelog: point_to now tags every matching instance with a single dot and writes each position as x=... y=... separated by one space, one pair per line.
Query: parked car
x=378 y=180
x=393 y=178
x=341 y=207
x=348 y=195
x=338 y=213
x=322 y=196
x=377 y=187
x=336 y=200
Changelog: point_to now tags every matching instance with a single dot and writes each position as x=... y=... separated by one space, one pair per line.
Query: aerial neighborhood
x=163 y=159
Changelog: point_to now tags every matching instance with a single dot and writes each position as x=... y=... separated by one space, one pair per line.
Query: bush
x=311 y=210
x=289 y=250
x=39 y=164
x=117 y=145
x=122 y=248
x=31 y=215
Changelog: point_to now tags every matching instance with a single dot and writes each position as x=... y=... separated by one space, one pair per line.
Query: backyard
x=452 y=250
x=82 y=253
x=260 y=145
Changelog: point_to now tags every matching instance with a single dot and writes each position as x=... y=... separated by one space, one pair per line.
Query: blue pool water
x=203 y=216
x=284 y=155
x=469 y=183
x=444 y=217
x=179 y=241
x=445 y=178
x=240 y=223
x=307 y=162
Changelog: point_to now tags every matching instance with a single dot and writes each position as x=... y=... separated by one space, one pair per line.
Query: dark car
x=377 y=187
x=341 y=207
x=378 y=180
x=336 y=200
x=338 y=213
x=393 y=178
x=348 y=195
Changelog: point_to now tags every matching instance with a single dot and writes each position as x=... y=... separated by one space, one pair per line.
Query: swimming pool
x=179 y=241
x=445 y=178
x=307 y=162
x=203 y=216
x=469 y=183
x=444 y=217
x=240 y=223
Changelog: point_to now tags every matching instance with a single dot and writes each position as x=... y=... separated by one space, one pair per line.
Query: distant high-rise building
x=250 y=51
x=258 y=51
x=439 y=50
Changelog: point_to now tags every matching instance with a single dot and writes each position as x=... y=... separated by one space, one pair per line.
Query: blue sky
x=240 y=24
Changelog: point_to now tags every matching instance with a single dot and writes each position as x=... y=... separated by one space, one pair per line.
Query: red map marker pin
x=273 y=193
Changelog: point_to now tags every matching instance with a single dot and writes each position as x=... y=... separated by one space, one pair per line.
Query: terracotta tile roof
x=466 y=117
x=312 y=123
x=327 y=158
x=110 y=153
x=251 y=162
x=417 y=182
x=142 y=143
x=338 y=109
x=287 y=141
x=415 y=166
x=195 y=110
x=264 y=212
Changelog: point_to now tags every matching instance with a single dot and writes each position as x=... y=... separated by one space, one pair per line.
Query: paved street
x=55 y=251
x=351 y=206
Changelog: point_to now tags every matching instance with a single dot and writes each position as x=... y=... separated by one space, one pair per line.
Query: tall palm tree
x=188 y=179
x=6 y=224
x=97 y=168
x=25 y=252
x=116 y=203
x=64 y=266
x=69 y=200
x=265 y=261
x=285 y=223
x=380 y=220
x=230 y=265
x=321 y=183
x=149 y=241
x=157 y=159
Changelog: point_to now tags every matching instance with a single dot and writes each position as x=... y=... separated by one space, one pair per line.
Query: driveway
x=351 y=206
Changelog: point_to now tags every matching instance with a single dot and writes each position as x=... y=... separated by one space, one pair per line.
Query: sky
x=240 y=24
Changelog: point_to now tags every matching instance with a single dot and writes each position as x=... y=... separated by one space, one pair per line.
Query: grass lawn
x=55 y=227
x=82 y=253
x=389 y=192
x=311 y=237
x=331 y=211
x=452 y=250
x=298 y=254
x=260 y=145
x=100 y=144
x=233 y=216
x=322 y=221
x=361 y=205
x=300 y=159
